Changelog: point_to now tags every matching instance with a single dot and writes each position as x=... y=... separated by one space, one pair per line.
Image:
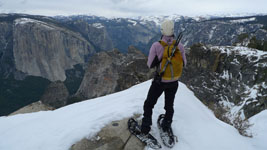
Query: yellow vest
x=175 y=67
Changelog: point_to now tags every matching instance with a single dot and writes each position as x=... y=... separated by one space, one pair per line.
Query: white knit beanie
x=167 y=28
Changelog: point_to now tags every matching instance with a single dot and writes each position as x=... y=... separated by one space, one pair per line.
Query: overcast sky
x=129 y=8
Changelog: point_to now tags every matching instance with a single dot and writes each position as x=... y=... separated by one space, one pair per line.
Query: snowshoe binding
x=147 y=139
x=166 y=133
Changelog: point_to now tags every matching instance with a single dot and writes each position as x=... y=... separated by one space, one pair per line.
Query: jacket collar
x=167 y=39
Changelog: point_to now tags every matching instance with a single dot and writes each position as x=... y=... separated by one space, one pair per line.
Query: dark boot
x=166 y=133
x=145 y=128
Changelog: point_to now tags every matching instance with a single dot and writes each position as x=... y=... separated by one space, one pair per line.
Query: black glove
x=155 y=62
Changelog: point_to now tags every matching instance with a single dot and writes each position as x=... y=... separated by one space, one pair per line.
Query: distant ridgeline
x=38 y=50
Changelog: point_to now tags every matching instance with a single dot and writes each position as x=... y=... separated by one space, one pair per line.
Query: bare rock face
x=34 y=107
x=114 y=136
x=112 y=71
x=46 y=50
x=56 y=95
x=6 y=54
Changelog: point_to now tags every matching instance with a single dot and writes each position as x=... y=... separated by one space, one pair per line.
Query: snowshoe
x=147 y=139
x=166 y=135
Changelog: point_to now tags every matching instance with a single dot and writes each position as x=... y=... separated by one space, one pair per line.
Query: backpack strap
x=163 y=43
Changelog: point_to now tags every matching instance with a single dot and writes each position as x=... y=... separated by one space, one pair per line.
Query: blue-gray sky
x=127 y=8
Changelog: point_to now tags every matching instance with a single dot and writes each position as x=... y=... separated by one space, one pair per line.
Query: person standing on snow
x=168 y=83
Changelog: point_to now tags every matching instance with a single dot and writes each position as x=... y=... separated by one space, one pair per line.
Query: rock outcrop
x=34 y=107
x=114 y=136
x=46 y=50
x=229 y=76
x=112 y=71
x=56 y=95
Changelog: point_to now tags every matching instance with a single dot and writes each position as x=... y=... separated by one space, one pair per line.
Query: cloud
x=125 y=8
x=23 y=2
x=1 y=4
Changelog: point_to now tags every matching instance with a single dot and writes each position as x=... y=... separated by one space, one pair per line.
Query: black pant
x=154 y=93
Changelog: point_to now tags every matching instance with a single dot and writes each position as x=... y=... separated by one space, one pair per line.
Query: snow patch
x=97 y=25
x=143 y=22
x=243 y=20
x=243 y=51
x=133 y=22
x=212 y=32
x=226 y=75
x=158 y=19
x=252 y=92
x=23 y=21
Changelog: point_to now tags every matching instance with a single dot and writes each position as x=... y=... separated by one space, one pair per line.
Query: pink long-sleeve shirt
x=157 y=50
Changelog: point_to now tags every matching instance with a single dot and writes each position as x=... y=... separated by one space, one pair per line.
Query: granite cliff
x=46 y=50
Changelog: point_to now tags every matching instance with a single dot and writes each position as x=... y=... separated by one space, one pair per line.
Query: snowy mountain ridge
x=193 y=123
x=158 y=19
